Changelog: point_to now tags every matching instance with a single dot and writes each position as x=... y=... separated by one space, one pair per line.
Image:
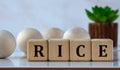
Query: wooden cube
x=37 y=50
x=80 y=50
x=58 y=50
x=102 y=49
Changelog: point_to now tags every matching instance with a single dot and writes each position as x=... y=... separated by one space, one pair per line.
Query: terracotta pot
x=106 y=30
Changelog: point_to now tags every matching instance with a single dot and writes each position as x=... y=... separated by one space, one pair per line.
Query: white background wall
x=16 y=15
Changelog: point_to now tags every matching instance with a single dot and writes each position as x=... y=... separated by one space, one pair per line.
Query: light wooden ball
x=53 y=33
x=7 y=43
x=76 y=33
x=25 y=35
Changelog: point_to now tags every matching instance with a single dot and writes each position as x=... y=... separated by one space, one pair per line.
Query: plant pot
x=107 y=30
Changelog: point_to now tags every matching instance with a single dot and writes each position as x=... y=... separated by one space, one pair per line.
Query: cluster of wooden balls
x=8 y=41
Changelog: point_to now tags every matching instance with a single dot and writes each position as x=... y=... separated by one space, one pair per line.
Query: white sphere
x=53 y=33
x=26 y=35
x=7 y=43
x=76 y=33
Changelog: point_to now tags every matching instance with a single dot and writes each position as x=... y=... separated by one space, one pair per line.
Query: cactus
x=102 y=14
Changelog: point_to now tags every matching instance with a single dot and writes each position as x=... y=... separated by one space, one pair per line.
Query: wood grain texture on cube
x=54 y=50
x=102 y=49
x=80 y=50
x=31 y=50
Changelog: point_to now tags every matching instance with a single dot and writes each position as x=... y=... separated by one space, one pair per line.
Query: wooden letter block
x=80 y=50
x=37 y=50
x=102 y=49
x=58 y=50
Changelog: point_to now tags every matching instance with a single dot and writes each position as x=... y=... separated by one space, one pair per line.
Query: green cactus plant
x=102 y=14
